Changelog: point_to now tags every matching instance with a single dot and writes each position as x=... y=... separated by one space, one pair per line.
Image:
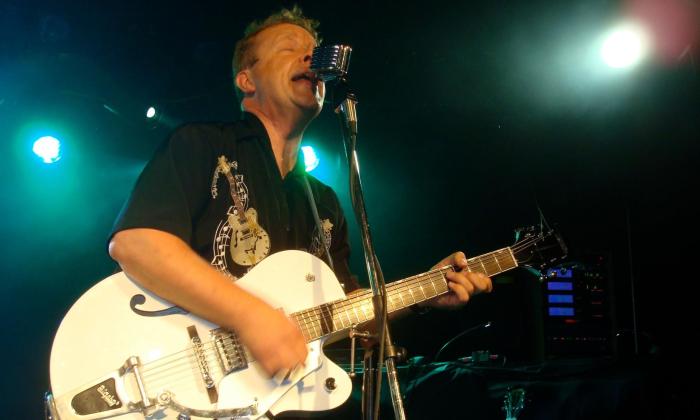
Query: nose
x=307 y=58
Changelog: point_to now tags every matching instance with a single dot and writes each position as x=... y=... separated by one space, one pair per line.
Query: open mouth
x=306 y=75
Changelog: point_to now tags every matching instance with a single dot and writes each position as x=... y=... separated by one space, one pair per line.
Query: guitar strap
x=314 y=210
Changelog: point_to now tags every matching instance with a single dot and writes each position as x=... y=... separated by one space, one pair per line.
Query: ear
x=245 y=83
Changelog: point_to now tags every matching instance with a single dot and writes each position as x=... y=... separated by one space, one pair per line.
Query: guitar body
x=250 y=242
x=117 y=319
x=122 y=352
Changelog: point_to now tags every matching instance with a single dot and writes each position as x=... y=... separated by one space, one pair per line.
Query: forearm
x=167 y=266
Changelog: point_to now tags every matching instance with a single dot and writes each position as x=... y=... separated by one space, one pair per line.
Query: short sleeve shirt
x=218 y=188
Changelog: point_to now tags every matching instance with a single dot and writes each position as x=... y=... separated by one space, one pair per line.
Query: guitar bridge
x=229 y=351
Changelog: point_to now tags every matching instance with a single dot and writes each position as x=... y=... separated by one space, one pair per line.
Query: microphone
x=331 y=62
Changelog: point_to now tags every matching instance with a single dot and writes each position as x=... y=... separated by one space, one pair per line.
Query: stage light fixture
x=151 y=113
x=311 y=161
x=624 y=46
x=48 y=148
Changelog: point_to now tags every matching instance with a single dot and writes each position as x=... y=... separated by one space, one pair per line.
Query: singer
x=216 y=199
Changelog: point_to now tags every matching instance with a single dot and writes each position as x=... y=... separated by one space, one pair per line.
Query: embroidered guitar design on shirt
x=249 y=243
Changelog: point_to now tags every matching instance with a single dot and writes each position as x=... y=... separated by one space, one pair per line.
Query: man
x=180 y=233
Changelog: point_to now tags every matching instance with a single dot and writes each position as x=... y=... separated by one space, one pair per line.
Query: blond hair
x=243 y=55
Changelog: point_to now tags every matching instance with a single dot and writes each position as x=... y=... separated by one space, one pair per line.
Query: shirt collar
x=253 y=127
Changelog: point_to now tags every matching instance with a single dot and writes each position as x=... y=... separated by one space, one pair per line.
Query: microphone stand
x=346 y=109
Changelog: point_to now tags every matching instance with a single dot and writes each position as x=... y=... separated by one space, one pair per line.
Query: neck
x=342 y=315
x=285 y=137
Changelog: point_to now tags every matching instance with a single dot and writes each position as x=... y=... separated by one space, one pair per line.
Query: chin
x=312 y=112
x=312 y=108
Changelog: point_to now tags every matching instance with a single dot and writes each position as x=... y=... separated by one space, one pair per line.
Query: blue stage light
x=311 y=161
x=48 y=148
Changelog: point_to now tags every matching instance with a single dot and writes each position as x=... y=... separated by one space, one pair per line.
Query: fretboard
x=343 y=314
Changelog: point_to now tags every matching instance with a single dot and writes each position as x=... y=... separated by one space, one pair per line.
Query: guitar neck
x=342 y=315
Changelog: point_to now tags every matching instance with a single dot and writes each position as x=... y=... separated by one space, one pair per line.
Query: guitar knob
x=330 y=384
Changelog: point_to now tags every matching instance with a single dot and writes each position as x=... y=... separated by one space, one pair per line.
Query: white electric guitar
x=123 y=352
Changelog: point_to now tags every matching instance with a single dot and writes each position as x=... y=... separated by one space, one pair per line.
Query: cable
x=486 y=324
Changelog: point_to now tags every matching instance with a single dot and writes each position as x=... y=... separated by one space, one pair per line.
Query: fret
x=316 y=331
x=497 y=263
x=425 y=297
x=363 y=308
x=313 y=324
x=324 y=319
x=300 y=321
x=337 y=317
x=391 y=303
x=432 y=283
x=354 y=311
x=412 y=296
x=334 y=317
x=345 y=312
x=305 y=332
x=337 y=321
x=483 y=266
x=512 y=257
x=346 y=316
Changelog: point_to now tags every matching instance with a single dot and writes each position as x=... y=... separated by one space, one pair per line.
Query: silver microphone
x=330 y=62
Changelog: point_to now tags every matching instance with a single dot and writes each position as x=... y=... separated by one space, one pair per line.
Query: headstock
x=225 y=166
x=537 y=248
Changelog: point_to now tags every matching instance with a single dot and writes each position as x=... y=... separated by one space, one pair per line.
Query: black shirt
x=186 y=190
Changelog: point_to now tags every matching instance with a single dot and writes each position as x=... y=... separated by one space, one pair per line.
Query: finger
x=289 y=373
x=302 y=353
x=459 y=290
x=273 y=370
x=463 y=280
x=460 y=260
x=449 y=260
x=481 y=282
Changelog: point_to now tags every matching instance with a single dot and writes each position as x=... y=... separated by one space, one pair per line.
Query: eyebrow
x=293 y=37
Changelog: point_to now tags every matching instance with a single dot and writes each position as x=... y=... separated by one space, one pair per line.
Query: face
x=280 y=78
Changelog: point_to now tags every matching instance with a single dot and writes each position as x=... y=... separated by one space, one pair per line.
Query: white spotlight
x=624 y=46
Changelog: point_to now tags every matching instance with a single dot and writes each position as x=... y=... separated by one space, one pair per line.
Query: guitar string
x=315 y=317
x=495 y=267
x=312 y=316
x=189 y=360
x=230 y=343
x=406 y=284
x=190 y=364
x=209 y=347
x=168 y=364
x=304 y=322
x=212 y=359
x=335 y=310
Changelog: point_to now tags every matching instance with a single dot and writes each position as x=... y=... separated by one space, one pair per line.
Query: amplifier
x=578 y=312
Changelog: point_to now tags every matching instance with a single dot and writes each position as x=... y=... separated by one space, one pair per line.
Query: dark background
x=471 y=115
